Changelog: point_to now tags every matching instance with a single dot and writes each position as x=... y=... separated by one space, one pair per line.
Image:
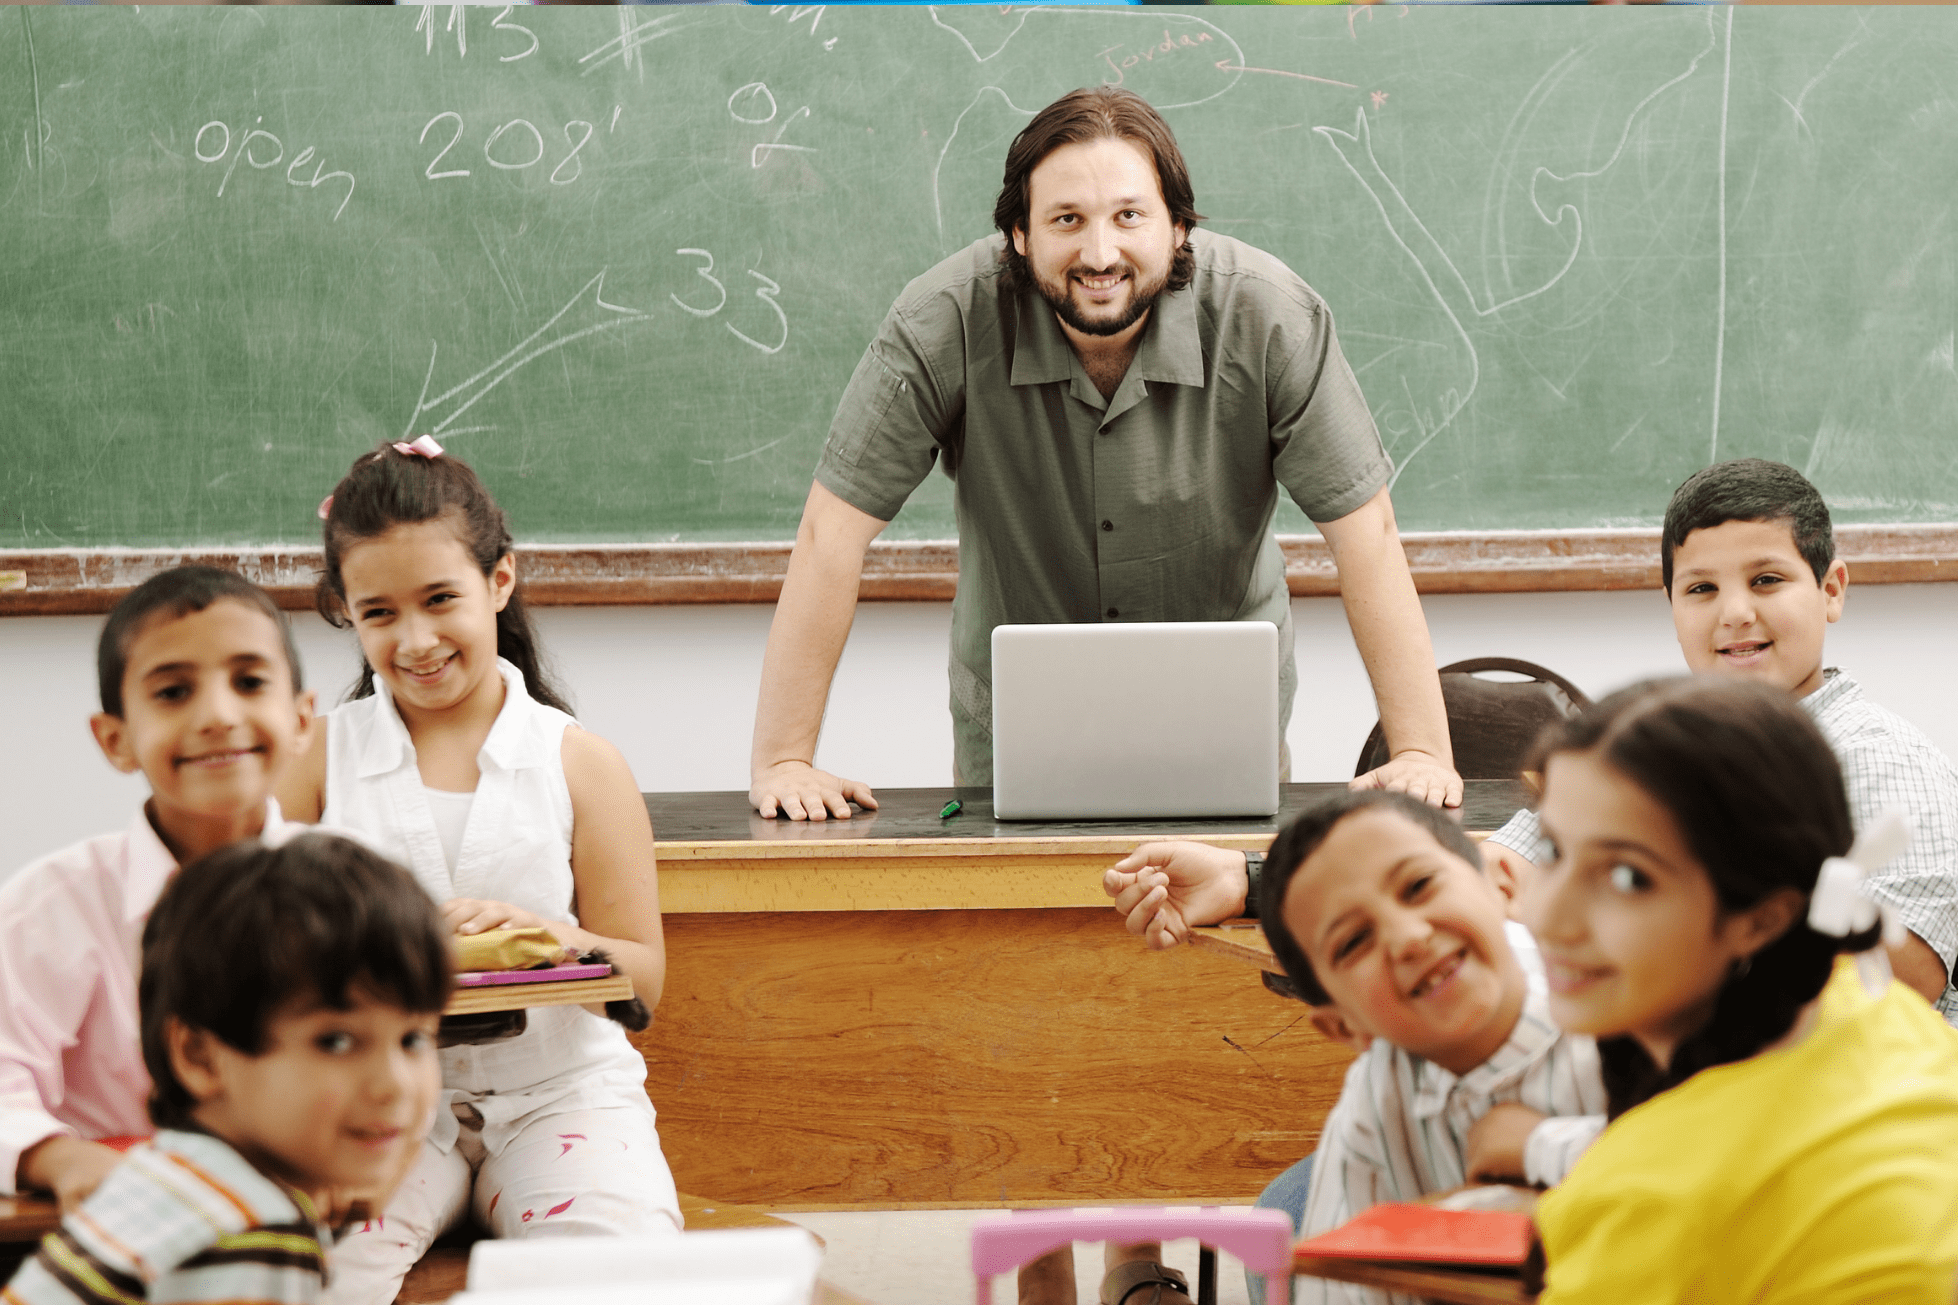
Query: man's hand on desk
x=1164 y=890
x=798 y=791
x=1419 y=775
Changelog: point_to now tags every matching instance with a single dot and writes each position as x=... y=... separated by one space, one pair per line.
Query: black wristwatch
x=1254 y=866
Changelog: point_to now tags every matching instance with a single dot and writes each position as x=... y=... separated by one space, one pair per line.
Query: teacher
x=1117 y=396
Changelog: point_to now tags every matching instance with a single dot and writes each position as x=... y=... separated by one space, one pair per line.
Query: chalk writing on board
x=814 y=13
x=766 y=293
x=502 y=24
x=458 y=23
x=756 y=155
x=252 y=147
x=1438 y=271
x=525 y=147
x=745 y=105
x=531 y=347
x=625 y=46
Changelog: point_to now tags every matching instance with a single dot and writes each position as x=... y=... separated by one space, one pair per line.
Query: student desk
x=901 y=1012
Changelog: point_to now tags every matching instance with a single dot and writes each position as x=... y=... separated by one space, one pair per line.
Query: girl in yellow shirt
x=1784 y=1119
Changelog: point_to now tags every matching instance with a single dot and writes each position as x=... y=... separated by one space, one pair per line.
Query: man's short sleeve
x=1325 y=448
x=902 y=401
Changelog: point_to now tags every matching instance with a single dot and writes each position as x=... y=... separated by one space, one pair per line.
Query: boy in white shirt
x=200 y=690
x=1378 y=908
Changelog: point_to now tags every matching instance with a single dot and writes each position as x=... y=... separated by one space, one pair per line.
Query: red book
x=1424 y=1234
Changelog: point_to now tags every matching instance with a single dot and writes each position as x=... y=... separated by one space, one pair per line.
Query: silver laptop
x=1174 y=718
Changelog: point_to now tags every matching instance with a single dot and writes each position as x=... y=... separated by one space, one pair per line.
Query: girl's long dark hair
x=387 y=488
x=1758 y=796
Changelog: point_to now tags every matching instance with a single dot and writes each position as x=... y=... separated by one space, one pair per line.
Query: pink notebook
x=549 y=974
x=1426 y=1235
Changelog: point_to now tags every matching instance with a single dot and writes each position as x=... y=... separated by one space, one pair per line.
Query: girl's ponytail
x=389 y=488
x=1758 y=795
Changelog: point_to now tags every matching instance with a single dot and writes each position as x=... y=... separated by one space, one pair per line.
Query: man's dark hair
x=1749 y=489
x=1077 y=118
x=176 y=593
x=244 y=932
x=1300 y=839
x=1757 y=794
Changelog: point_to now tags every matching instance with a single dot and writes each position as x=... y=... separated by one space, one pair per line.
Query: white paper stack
x=736 y=1266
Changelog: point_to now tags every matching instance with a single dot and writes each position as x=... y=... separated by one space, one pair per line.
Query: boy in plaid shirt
x=289 y=998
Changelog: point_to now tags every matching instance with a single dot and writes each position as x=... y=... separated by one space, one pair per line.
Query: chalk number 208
x=512 y=160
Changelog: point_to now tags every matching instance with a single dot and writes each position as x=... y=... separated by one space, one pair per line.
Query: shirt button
x=1114 y=612
x=1108 y=525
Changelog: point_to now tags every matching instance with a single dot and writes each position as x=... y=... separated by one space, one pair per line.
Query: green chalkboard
x=625 y=259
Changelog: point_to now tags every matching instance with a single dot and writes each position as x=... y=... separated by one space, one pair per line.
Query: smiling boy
x=200 y=691
x=290 y=996
x=1747 y=555
x=1380 y=912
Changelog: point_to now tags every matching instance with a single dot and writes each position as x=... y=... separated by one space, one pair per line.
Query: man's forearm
x=812 y=622
x=1390 y=631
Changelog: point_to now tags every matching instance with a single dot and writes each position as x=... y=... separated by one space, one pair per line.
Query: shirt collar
x=509 y=746
x=1170 y=350
x=151 y=863
x=1836 y=689
x=1535 y=1033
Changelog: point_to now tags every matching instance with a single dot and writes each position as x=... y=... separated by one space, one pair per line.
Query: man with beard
x=1117 y=396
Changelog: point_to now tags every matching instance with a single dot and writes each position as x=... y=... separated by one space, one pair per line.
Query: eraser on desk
x=1424 y=1234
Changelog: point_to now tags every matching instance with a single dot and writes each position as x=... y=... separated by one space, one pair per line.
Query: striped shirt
x=181 y=1220
x=1400 y=1130
x=1887 y=765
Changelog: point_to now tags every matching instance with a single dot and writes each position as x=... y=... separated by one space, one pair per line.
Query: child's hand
x=70 y=1167
x=467 y=915
x=1163 y=890
x=1496 y=1142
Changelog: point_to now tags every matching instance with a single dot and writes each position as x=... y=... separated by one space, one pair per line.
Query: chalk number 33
x=766 y=294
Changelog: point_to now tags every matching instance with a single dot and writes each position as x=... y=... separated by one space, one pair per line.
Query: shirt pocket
x=864 y=410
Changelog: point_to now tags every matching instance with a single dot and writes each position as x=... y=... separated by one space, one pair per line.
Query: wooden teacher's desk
x=898 y=1011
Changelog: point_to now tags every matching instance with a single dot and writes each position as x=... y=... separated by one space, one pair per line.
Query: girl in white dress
x=456 y=756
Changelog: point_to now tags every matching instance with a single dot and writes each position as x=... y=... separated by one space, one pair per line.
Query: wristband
x=1254 y=866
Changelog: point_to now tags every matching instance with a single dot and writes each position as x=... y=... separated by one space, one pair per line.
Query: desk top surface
x=913 y=813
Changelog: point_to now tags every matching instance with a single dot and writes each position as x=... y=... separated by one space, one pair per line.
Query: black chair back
x=1491 y=723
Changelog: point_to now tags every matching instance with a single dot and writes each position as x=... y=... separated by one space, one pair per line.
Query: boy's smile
x=1407 y=940
x=1744 y=602
x=334 y=1100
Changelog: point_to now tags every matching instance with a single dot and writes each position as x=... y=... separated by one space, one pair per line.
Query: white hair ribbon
x=1839 y=907
x=422 y=444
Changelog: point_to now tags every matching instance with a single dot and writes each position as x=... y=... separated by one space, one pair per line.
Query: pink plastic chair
x=1260 y=1238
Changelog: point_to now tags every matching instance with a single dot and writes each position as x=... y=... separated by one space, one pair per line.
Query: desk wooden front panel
x=917 y=1058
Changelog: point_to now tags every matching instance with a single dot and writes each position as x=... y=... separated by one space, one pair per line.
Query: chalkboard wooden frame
x=573 y=575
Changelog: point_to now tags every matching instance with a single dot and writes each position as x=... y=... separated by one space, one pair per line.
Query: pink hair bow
x=326 y=506
x=422 y=444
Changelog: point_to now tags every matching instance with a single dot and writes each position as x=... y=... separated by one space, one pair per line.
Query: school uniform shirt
x=1400 y=1129
x=71 y=933
x=516 y=848
x=1887 y=765
x=184 y=1219
x=1822 y=1171
x=1153 y=504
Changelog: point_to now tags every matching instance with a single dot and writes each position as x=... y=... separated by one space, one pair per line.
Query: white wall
x=674 y=687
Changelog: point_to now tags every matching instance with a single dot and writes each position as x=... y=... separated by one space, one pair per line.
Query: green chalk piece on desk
x=12 y=580
x=950 y=809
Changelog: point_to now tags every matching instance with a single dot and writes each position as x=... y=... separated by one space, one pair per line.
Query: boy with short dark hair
x=290 y=997
x=200 y=690
x=1749 y=563
x=1378 y=907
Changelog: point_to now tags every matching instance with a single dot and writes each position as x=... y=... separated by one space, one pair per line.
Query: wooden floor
x=908 y=1059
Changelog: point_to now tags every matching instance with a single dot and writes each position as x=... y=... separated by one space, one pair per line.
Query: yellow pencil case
x=510 y=949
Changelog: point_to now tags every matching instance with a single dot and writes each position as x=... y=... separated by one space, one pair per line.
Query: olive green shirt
x=1153 y=505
